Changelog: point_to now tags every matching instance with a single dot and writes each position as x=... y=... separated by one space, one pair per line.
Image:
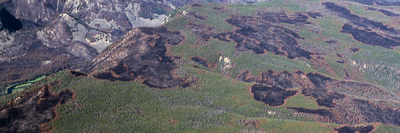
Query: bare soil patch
x=273 y=96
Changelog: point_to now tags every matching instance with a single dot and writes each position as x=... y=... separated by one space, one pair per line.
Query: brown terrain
x=78 y=74
x=74 y=32
x=367 y=35
x=342 y=108
x=140 y=56
x=273 y=96
x=30 y=111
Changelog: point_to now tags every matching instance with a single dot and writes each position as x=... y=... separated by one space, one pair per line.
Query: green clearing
x=177 y=23
x=22 y=86
x=37 y=79
x=276 y=5
x=299 y=100
x=32 y=84
x=358 y=10
x=214 y=19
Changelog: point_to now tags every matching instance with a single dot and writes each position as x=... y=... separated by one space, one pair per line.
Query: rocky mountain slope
x=41 y=37
x=274 y=66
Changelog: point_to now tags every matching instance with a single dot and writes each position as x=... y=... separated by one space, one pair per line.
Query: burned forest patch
x=372 y=33
x=331 y=42
x=314 y=14
x=321 y=112
x=78 y=74
x=197 y=16
x=341 y=61
x=324 y=97
x=340 y=55
x=260 y=36
x=197 y=5
x=272 y=87
x=386 y=12
x=297 y=18
x=141 y=56
x=363 y=111
x=205 y=33
x=245 y=76
x=360 y=129
x=357 y=20
x=349 y=110
x=378 y=2
x=347 y=87
x=370 y=38
x=29 y=111
x=282 y=79
x=273 y=96
x=355 y=49
x=201 y=61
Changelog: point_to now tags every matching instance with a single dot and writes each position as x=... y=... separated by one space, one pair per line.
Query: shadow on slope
x=8 y=21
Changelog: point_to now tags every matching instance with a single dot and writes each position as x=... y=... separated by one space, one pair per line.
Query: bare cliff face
x=34 y=13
